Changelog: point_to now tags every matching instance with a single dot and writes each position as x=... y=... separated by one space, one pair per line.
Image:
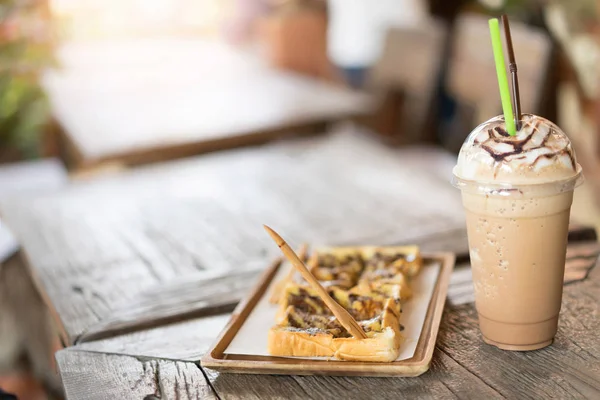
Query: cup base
x=518 y=336
x=518 y=347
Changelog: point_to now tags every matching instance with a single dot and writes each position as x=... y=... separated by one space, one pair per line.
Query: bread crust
x=290 y=343
x=382 y=346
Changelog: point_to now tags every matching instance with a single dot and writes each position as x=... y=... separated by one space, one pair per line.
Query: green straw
x=509 y=119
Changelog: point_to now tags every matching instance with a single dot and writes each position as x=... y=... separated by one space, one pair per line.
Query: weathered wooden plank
x=189 y=340
x=570 y=368
x=211 y=292
x=114 y=374
x=445 y=380
x=94 y=247
x=201 y=294
x=96 y=376
x=186 y=340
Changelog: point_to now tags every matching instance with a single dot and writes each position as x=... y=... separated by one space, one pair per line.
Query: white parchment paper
x=251 y=339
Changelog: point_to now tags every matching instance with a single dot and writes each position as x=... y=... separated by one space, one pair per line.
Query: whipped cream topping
x=540 y=152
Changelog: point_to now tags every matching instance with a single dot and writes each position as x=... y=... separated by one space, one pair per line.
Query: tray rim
x=248 y=364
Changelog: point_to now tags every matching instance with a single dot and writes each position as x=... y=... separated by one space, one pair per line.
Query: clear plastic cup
x=517 y=223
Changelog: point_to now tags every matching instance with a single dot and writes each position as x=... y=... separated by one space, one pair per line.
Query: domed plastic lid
x=540 y=153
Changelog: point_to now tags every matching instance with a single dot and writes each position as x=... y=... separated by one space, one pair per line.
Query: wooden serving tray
x=216 y=359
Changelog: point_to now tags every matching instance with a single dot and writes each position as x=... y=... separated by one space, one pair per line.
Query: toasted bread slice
x=336 y=267
x=287 y=341
x=370 y=282
x=383 y=346
x=306 y=299
x=302 y=334
x=404 y=259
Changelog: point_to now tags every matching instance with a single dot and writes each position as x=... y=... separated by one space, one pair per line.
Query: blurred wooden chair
x=471 y=77
x=294 y=35
x=410 y=67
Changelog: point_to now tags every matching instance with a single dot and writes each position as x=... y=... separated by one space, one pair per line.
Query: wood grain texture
x=568 y=369
x=96 y=376
x=138 y=101
x=198 y=295
x=445 y=380
x=462 y=367
x=89 y=375
x=95 y=247
x=187 y=340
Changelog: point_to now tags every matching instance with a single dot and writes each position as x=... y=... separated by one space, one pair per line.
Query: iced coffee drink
x=517 y=193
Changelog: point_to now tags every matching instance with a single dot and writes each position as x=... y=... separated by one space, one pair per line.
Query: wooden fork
x=340 y=312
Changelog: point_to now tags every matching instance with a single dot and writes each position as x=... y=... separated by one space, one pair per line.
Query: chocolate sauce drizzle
x=498 y=135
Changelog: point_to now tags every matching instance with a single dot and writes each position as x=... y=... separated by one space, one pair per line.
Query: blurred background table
x=139 y=101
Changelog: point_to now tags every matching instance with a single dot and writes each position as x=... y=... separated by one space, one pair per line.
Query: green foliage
x=25 y=49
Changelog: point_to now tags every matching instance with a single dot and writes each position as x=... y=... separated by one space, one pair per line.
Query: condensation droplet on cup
x=491 y=239
x=475 y=258
x=477 y=287
x=503 y=265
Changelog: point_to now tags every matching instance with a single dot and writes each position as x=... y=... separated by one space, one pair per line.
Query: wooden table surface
x=140 y=101
x=163 y=362
x=97 y=247
x=139 y=268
